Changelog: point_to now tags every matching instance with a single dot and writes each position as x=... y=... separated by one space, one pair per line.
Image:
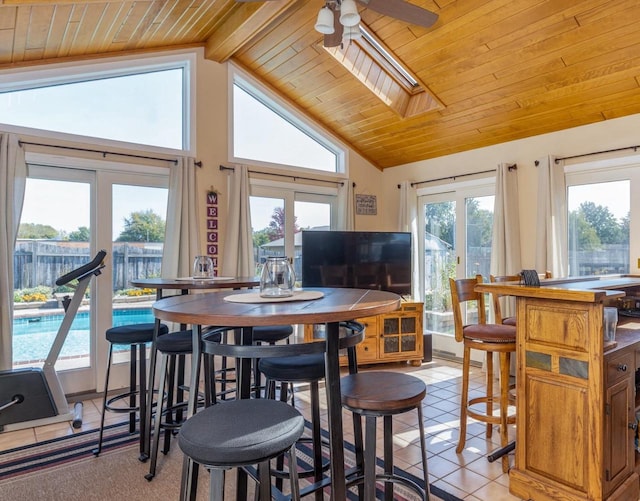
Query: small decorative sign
x=212 y=227
x=366 y=205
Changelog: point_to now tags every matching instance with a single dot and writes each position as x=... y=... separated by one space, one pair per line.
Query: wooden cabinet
x=619 y=421
x=576 y=395
x=392 y=337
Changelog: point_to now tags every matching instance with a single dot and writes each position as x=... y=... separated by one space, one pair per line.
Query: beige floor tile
x=467 y=475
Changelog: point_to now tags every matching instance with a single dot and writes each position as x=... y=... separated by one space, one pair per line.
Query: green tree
x=275 y=230
x=602 y=221
x=441 y=220
x=261 y=237
x=582 y=236
x=82 y=234
x=624 y=228
x=479 y=225
x=42 y=231
x=142 y=226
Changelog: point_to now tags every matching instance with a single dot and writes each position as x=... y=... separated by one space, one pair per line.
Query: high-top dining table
x=334 y=306
x=184 y=285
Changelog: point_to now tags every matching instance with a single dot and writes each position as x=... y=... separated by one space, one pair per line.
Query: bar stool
x=136 y=336
x=268 y=334
x=490 y=338
x=383 y=394
x=172 y=348
x=243 y=432
x=309 y=369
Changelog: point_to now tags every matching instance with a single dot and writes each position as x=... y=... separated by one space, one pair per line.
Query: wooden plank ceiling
x=500 y=69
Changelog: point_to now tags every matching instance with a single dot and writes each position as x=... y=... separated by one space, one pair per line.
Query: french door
x=89 y=207
x=455 y=243
x=280 y=213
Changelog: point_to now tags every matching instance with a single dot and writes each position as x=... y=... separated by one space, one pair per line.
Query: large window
x=146 y=103
x=265 y=131
x=599 y=221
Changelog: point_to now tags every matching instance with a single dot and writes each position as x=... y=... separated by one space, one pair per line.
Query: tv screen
x=360 y=259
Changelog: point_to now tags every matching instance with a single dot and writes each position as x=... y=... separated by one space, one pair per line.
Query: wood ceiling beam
x=246 y=20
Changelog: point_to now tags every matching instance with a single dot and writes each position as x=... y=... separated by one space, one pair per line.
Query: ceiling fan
x=338 y=20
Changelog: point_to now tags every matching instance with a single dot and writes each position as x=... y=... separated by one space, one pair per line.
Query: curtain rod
x=102 y=152
x=511 y=167
x=634 y=148
x=295 y=178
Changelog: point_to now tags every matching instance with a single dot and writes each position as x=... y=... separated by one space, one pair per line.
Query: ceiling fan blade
x=335 y=39
x=399 y=9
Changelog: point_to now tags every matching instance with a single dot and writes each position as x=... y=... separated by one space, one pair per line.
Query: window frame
x=74 y=72
x=610 y=170
x=250 y=85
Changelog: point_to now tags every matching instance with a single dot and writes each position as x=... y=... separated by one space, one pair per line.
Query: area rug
x=65 y=469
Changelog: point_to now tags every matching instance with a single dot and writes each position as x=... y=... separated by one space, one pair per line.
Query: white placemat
x=206 y=279
x=254 y=297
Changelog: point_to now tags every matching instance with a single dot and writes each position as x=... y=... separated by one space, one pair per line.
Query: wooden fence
x=41 y=262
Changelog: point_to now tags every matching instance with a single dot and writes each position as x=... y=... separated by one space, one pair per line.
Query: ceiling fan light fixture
x=349 y=16
x=324 y=24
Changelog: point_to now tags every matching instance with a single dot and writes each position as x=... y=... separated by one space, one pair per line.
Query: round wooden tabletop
x=336 y=305
x=193 y=283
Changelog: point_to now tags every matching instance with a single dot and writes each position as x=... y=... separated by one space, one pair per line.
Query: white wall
x=212 y=109
x=606 y=135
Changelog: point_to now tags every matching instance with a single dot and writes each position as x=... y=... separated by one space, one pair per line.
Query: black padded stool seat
x=383 y=394
x=134 y=333
x=176 y=343
x=271 y=333
x=136 y=336
x=293 y=369
x=241 y=433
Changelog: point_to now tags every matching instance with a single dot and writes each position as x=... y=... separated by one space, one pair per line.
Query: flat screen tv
x=360 y=259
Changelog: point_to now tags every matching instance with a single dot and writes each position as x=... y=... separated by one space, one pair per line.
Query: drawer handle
x=633 y=426
x=622 y=368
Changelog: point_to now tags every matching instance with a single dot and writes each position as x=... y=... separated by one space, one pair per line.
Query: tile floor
x=467 y=475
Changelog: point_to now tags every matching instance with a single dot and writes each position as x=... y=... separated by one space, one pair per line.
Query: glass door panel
x=439 y=264
x=268 y=227
x=308 y=216
x=277 y=218
x=53 y=239
x=138 y=231
x=479 y=230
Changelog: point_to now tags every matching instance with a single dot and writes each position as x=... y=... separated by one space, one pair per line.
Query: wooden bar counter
x=576 y=400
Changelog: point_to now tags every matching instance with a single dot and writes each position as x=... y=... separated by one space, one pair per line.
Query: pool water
x=32 y=337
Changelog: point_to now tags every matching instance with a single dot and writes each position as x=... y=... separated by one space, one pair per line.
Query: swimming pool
x=33 y=336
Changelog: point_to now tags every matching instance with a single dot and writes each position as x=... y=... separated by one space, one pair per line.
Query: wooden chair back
x=496 y=298
x=497 y=306
x=463 y=291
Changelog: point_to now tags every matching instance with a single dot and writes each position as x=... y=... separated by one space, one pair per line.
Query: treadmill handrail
x=95 y=265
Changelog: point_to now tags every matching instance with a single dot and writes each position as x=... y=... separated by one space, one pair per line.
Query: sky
x=65 y=205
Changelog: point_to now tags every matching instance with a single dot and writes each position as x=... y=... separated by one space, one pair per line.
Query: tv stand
x=391 y=337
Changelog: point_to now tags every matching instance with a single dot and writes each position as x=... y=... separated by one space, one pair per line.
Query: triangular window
x=266 y=132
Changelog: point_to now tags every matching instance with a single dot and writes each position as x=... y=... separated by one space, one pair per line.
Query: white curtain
x=182 y=239
x=505 y=245
x=408 y=221
x=238 y=241
x=551 y=227
x=346 y=207
x=13 y=178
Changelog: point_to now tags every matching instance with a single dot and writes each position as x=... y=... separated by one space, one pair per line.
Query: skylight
x=388 y=57
x=382 y=73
